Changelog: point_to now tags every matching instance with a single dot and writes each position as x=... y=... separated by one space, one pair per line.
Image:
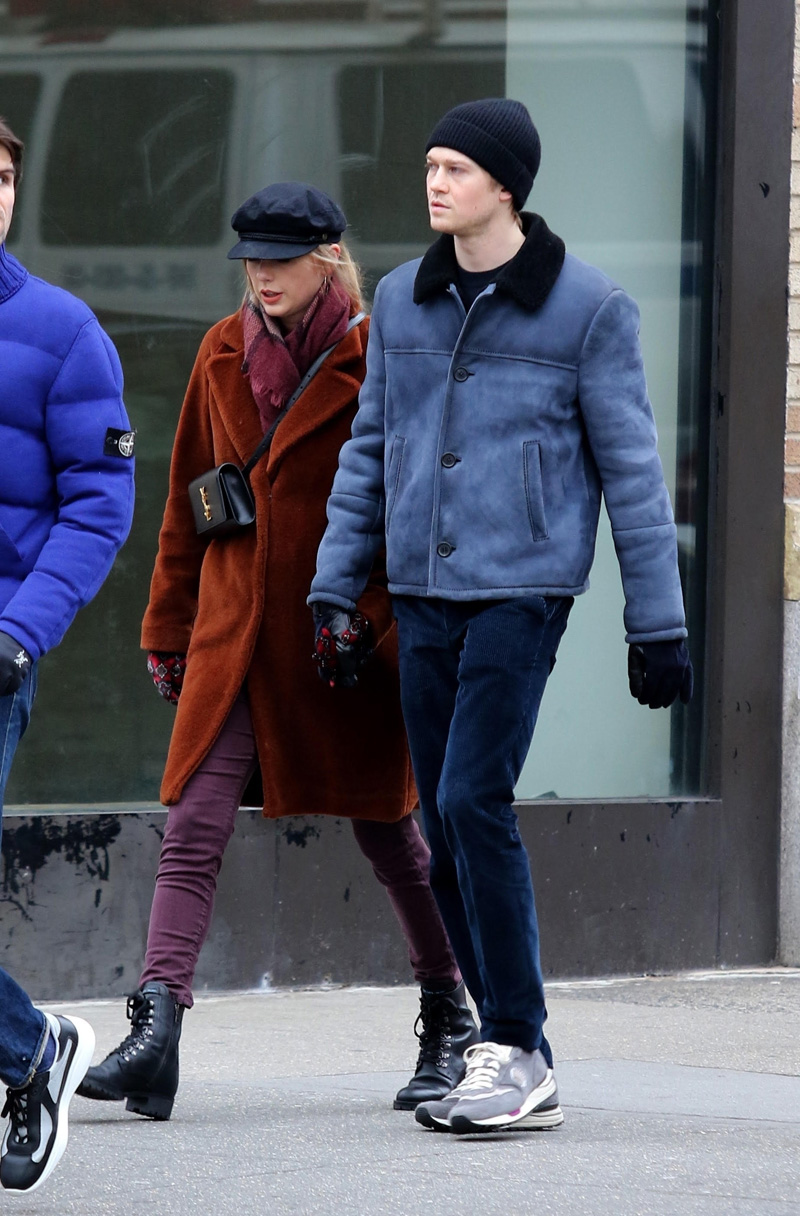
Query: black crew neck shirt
x=470 y=283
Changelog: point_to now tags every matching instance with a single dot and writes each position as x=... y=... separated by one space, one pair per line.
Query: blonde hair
x=342 y=270
x=346 y=272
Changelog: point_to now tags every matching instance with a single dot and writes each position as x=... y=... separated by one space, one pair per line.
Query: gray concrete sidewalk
x=681 y=1096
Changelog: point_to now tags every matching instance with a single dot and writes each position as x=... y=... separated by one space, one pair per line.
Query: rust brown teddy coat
x=236 y=606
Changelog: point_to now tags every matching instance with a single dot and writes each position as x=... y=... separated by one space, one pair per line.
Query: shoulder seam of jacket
x=65 y=360
x=615 y=290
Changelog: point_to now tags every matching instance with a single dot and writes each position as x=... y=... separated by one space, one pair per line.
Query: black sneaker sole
x=422 y=1117
x=545 y=1119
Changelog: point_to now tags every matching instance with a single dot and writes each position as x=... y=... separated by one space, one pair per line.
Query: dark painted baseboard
x=626 y=887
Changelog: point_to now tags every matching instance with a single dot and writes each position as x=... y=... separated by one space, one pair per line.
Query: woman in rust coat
x=229 y=639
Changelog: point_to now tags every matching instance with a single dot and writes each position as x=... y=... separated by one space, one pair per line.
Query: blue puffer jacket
x=65 y=506
x=483 y=443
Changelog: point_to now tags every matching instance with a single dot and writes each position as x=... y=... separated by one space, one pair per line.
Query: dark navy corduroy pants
x=472 y=675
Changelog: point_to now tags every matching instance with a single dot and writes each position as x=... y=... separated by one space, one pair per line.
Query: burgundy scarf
x=274 y=362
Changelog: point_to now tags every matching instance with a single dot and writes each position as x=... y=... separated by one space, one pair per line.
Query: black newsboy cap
x=285 y=221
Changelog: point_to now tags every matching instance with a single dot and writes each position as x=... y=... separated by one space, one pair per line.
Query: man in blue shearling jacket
x=505 y=395
x=66 y=501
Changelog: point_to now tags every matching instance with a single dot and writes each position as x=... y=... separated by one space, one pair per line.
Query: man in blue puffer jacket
x=66 y=502
x=505 y=395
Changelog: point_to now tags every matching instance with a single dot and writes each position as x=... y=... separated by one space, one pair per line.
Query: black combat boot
x=144 y=1068
x=445 y=1029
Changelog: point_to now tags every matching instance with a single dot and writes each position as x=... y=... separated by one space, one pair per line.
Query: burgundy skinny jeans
x=199 y=827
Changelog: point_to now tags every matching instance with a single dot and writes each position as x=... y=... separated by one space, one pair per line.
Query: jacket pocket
x=534 y=496
x=393 y=476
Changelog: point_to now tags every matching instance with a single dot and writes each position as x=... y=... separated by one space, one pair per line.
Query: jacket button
x=444 y=548
x=461 y=374
x=448 y=460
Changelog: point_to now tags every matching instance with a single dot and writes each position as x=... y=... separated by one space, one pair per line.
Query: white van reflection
x=142 y=145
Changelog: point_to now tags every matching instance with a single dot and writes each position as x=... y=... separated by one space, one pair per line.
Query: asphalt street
x=681 y=1096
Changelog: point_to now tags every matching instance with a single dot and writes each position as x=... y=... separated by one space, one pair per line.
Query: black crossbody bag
x=222 y=499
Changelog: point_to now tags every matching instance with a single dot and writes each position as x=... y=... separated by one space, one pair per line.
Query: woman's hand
x=342 y=644
x=167 y=671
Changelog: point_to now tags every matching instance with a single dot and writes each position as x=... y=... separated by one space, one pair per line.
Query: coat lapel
x=332 y=390
x=231 y=391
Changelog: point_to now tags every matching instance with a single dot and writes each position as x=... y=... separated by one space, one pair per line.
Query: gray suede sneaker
x=544 y=1114
x=436 y=1115
x=504 y=1087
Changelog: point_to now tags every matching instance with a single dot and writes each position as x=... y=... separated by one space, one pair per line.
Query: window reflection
x=150 y=150
x=19 y=94
x=146 y=133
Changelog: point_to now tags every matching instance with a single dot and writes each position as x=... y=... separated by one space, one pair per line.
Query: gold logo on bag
x=205 y=502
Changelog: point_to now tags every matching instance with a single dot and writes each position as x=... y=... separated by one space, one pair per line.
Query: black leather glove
x=15 y=663
x=658 y=672
x=342 y=644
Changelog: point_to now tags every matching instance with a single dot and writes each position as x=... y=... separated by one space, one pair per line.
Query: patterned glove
x=15 y=663
x=342 y=644
x=658 y=672
x=167 y=671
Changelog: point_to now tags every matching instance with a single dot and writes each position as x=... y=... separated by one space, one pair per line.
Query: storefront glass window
x=169 y=190
x=145 y=135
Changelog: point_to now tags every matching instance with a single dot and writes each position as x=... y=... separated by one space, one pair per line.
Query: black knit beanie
x=497 y=134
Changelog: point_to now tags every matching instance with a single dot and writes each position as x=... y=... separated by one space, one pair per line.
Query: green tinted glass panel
x=19 y=95
x=150 y=150
x=386 y=113
x=141 y=144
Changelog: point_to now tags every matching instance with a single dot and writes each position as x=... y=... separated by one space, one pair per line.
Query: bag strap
x=302 y=386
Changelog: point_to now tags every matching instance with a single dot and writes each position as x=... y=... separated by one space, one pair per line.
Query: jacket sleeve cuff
x=662 y=635
x=324 y=597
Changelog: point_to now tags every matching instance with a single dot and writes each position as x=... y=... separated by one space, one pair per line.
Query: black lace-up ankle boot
x=144 y=1068
x=445 y=1029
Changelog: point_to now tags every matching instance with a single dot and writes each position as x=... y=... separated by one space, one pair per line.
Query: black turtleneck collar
x=12 y=275
x=528 y=278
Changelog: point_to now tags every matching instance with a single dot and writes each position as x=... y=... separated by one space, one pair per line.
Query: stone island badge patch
x=119 y=443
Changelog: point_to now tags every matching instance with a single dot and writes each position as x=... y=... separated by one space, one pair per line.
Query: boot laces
x=483 y=1061
x=140 y=1012
x=432 y=1028
x=16 y=1109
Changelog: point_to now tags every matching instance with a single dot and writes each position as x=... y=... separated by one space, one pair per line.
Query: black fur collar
x=528 y=278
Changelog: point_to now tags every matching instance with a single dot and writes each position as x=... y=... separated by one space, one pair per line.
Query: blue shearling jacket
x=483 y=442
x=65 y=502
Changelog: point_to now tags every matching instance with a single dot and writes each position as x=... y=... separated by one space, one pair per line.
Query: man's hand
x=342 y=644
x=15 y=663
x=167 y=671
x=658 y=672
